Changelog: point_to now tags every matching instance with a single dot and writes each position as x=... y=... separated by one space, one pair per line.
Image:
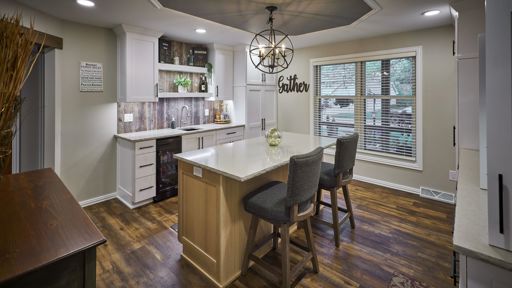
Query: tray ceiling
x=295 y=17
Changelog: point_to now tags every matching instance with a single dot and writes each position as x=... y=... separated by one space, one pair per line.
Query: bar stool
x=283 y=204
x=336 y=176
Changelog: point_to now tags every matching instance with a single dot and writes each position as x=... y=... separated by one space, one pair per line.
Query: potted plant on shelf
x=17 y=57
x=183 y=83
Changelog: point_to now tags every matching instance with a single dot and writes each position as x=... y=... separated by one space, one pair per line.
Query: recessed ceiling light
x=430 y=12
x=200 y=30
x=86 y=3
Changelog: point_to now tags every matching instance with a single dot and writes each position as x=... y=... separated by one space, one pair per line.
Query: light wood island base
x=213 y=224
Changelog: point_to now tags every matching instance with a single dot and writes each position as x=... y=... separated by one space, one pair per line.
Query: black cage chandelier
x=271 y=50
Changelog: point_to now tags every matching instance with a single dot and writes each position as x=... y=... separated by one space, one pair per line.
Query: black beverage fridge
x=167 y=168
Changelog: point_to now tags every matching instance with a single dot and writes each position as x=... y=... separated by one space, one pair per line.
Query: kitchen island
x=213 y=224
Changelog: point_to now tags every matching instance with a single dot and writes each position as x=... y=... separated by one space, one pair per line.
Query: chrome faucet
x=181 y=115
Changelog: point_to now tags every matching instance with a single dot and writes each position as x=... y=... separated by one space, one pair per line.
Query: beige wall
x=439 y=98
x=85 y=122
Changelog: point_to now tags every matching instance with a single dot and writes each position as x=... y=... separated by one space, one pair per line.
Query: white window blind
x=375 y=96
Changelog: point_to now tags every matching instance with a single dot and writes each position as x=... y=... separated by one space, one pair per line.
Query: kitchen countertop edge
x=132 y=137
x=470 y=236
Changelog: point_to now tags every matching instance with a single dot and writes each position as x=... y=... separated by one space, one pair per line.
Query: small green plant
x=209 y=69
x=182 y=81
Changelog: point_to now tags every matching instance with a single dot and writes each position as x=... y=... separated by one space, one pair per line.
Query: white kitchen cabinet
x=137 y=58
x=478 y=274
x=198 y=141
x=136 y=172
x=230 y=135
x=256 y=105
x=221 y=58
x=246 y=74
x=498 y=93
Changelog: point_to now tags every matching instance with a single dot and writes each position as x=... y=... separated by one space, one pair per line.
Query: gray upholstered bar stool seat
x=336 y=176
x=283 y=204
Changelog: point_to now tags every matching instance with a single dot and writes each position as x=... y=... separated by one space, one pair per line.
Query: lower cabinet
x=136 y=172
x=207 y=139
x=478 y=274
x=230 y=135
x=197 y=141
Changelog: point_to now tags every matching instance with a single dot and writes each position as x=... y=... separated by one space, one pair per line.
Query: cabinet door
x=268 y=108
x=223 y=70
x=141 y=68
x=208 y=140
x=270 y=79
x=498 y=94
x=254 y=76
x=190 y=143
x=254 y=121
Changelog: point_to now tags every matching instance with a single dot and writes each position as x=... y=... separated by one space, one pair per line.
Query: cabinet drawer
x=145 y=165
x=145 y=188
x=229 y=140
x=230 y=133
x=145 y=147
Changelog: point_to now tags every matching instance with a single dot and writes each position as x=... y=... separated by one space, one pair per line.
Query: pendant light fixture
x=271 y=50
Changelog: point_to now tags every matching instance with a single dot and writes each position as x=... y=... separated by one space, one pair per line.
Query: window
x=375 y=94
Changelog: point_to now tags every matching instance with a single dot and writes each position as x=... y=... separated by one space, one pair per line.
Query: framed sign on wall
x=91 y=77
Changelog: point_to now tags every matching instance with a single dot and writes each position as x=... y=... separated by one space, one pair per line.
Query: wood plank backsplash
x=158 y=115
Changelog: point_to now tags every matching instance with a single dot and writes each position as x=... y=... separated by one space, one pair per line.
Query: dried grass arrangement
x=17 y=58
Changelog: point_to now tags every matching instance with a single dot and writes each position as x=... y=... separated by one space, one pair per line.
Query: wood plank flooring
x=395 y=231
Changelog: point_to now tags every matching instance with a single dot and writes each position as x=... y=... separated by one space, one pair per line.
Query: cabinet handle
x=264 y=124
x=217 y=91
x=147 y=165
x=261 y=124
x=500 y=195
x=231 y=133
x=202 y=142
x=262 y=78
x=453 y=136
x=147 y=188
x=198 y=142
x=145 y=147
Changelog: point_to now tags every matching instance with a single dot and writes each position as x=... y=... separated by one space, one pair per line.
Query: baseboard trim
x=98 y=199
x=387 y=184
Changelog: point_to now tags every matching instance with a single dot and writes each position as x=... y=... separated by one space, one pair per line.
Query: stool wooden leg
x=318 y=199
x=335 y=220
x=348 y=203
x=309 y=238
x=250 y=243
x=285 y=255
x=275 y=237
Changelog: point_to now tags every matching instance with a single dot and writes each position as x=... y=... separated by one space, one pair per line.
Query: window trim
x=379 y=55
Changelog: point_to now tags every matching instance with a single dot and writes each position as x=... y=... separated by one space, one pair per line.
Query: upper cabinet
x=246 y=73
x=137 y=52
x=221 y=58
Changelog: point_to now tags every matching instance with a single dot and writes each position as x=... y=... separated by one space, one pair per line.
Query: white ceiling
x=392 y=17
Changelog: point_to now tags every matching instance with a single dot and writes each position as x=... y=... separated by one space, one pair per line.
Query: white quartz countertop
x=164 y=133
x=470 y=235
x=246 y=159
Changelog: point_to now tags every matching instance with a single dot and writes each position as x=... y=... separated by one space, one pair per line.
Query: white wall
x=439 y=98
x=84 y=122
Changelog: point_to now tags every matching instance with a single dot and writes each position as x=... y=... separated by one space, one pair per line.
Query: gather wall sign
x=291 y=84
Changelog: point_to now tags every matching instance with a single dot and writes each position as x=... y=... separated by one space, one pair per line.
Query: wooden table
x=213 y=224
x=46 y=239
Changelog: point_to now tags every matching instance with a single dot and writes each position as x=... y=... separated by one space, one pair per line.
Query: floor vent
x=437 y=195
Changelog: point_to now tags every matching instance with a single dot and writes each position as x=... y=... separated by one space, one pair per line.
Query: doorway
x=28 y=143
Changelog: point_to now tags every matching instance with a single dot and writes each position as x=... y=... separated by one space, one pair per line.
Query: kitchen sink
x=189 y=129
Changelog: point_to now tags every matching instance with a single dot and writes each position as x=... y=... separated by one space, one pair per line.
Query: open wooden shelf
x=185 y=95
x=181 y=68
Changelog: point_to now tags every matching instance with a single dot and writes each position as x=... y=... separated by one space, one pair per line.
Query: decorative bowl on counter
x=273 y=137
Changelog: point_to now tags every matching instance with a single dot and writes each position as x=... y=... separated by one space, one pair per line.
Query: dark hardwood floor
x=395 y=232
